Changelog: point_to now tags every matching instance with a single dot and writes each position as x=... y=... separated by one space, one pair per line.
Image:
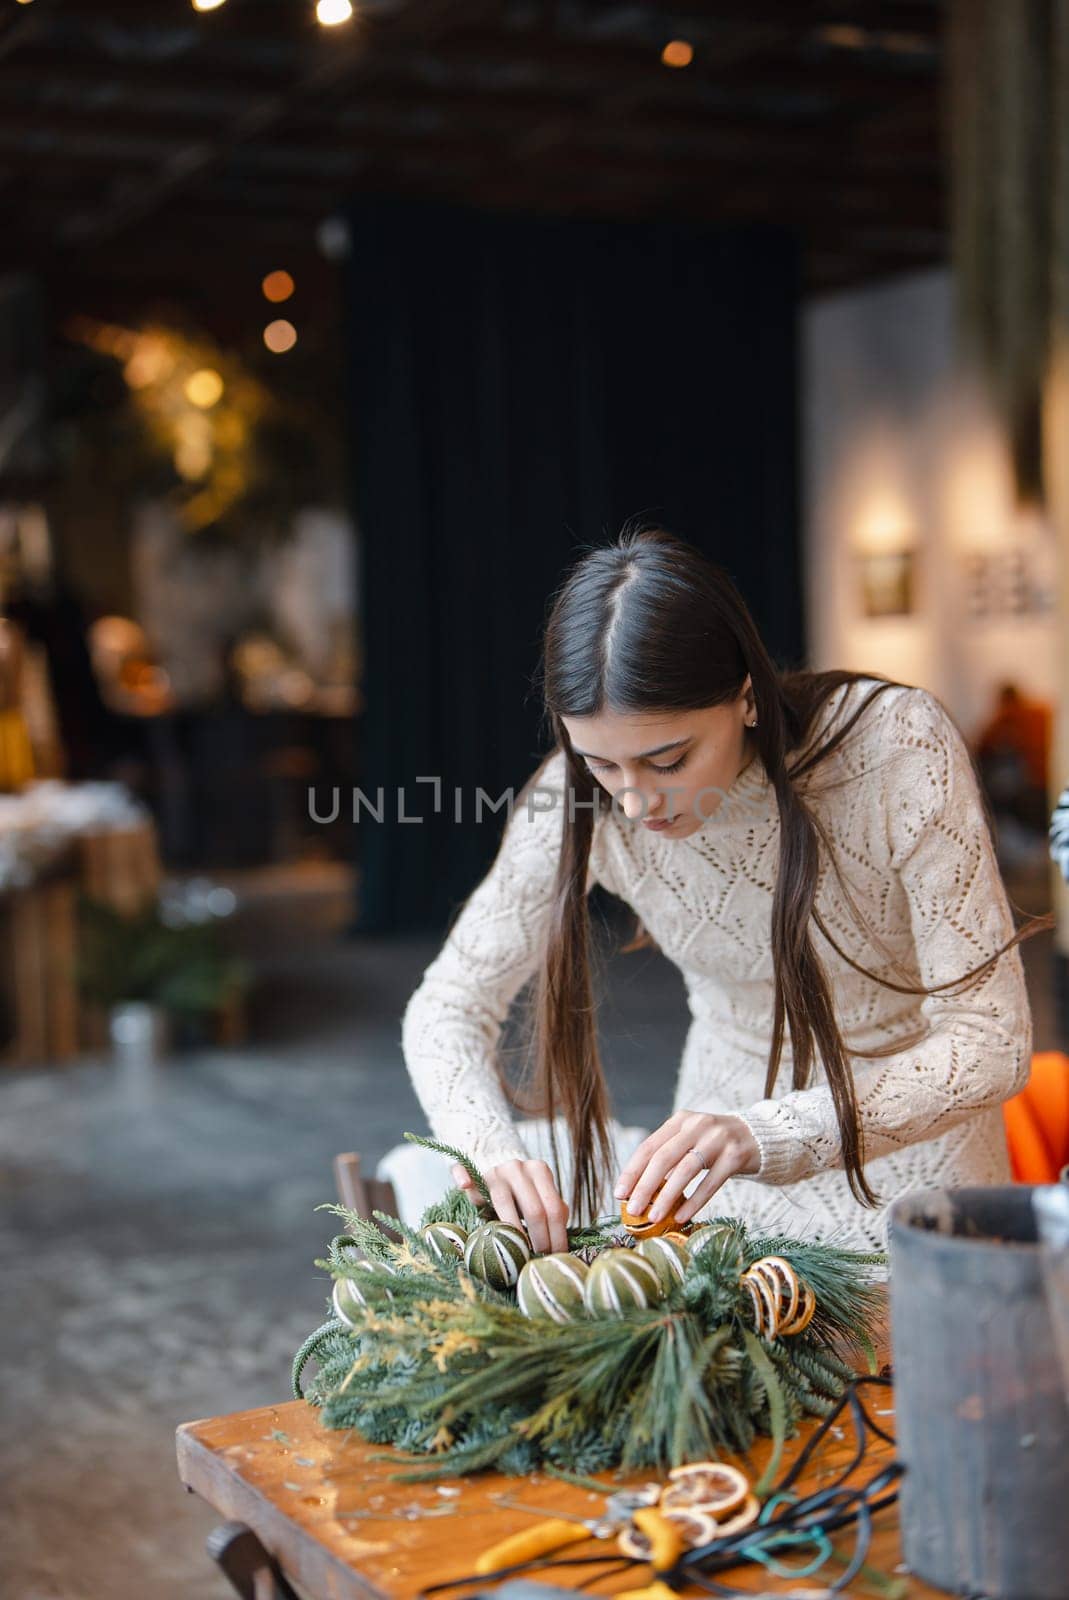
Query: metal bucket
x=982 y=1422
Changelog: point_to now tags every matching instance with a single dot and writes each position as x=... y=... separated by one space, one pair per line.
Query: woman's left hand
x=689 y=1143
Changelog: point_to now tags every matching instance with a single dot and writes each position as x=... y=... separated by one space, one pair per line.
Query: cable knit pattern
x=910 y=891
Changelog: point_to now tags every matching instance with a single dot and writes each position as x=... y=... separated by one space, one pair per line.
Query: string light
x=331 y=12
x=677 y=53
x=204 y=388
x=280 y=336
x=277 y=286
x=207 y=5
x=150 y=361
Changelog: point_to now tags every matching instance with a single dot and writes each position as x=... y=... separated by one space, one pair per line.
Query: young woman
x=813 y=853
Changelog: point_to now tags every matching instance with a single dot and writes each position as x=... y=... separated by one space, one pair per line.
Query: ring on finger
x=703 y=1165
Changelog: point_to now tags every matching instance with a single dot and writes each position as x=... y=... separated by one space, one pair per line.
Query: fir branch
x=309 y=1349
x=411 y=1236
x=454 y=1206
x=458 y=1156
x=597 y=1235
x=368 y=1235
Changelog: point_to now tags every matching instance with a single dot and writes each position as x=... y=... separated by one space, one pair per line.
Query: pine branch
x=458 y=1156
x=310 y=1350
x=454 y=1206
x=777 y=1407
x=368 y=1235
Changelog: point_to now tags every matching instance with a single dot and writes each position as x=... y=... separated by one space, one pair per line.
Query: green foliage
x=456 y=1155
x=450 y=1373
x=454 y=1206
x=139 y=957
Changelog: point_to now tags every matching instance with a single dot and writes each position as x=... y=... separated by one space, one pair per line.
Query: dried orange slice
x=638 y=1542
x=750 y=1285
x=709 y=1486
x=768 y=1300
x=784 y=1281
x=638 y=1223
x=697 y=1526
x=633 y=1542
x=748 y=1512
x=807 y=1306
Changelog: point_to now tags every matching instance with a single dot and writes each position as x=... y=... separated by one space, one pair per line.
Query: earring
x=752 y=724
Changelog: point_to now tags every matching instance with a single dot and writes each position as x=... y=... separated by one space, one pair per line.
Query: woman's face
x=667 y=771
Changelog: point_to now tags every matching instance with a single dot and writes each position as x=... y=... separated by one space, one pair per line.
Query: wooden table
x=340 y=1528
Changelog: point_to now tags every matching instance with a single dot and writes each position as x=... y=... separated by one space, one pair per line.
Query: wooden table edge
x=226 y=1491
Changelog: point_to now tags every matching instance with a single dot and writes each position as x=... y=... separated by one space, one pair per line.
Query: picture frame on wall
x=887 y=582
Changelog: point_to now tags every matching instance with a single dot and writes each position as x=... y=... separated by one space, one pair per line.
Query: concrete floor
x=157 y=1239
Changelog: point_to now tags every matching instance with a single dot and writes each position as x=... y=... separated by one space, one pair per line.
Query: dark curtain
x=519 y=387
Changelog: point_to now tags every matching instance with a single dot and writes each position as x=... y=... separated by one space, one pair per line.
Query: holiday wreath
x=636 y=1348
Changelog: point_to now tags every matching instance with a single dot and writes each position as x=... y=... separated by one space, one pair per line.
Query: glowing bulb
x=331 y=12
x=844 y=37
x=193 y=448
x=677 y=53
x=277 y=286
x=151 y=362
x=280 y=336
x=203 y=388
x=207 y=5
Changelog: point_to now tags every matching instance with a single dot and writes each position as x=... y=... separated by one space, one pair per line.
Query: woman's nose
x=636 y=803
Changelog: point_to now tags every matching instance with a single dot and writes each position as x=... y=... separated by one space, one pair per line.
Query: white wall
x=899 y=452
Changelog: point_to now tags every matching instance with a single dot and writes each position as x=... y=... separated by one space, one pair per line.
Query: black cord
x=826 y=1511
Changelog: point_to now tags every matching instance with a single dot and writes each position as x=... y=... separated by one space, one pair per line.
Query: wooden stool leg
x=363 y=1195
x=62 y=957
x=31 y=962
x=352 y=1188
x=243 y=1560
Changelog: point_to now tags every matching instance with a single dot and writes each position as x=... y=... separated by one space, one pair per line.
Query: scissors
x=563 y=1529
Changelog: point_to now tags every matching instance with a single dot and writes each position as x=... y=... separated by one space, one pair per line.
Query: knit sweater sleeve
x=452 y=1024
x=977 y=1048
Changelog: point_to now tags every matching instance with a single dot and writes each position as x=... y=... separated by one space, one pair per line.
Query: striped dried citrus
x=552 y=1286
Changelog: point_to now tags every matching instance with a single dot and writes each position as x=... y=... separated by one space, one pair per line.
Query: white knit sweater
x=900 y=806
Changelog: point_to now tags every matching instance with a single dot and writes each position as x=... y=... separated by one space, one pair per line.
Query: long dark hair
x=645 y=624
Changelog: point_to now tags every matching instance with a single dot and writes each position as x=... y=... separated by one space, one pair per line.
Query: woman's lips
x=659 y=823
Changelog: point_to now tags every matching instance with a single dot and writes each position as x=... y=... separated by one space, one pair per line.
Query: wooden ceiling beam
x=377 y=110
x=430 y=18
x=911 y=16
x=519 y=58
x=791 y=100
x=70 y=68
x=777 y=120
x=597 y=60
x=255 y=186
x=59 y=135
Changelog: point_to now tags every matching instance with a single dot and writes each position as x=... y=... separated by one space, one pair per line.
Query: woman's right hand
x=525 y=1194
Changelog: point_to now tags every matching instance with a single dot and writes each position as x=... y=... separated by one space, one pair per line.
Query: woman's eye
x=603 y=766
